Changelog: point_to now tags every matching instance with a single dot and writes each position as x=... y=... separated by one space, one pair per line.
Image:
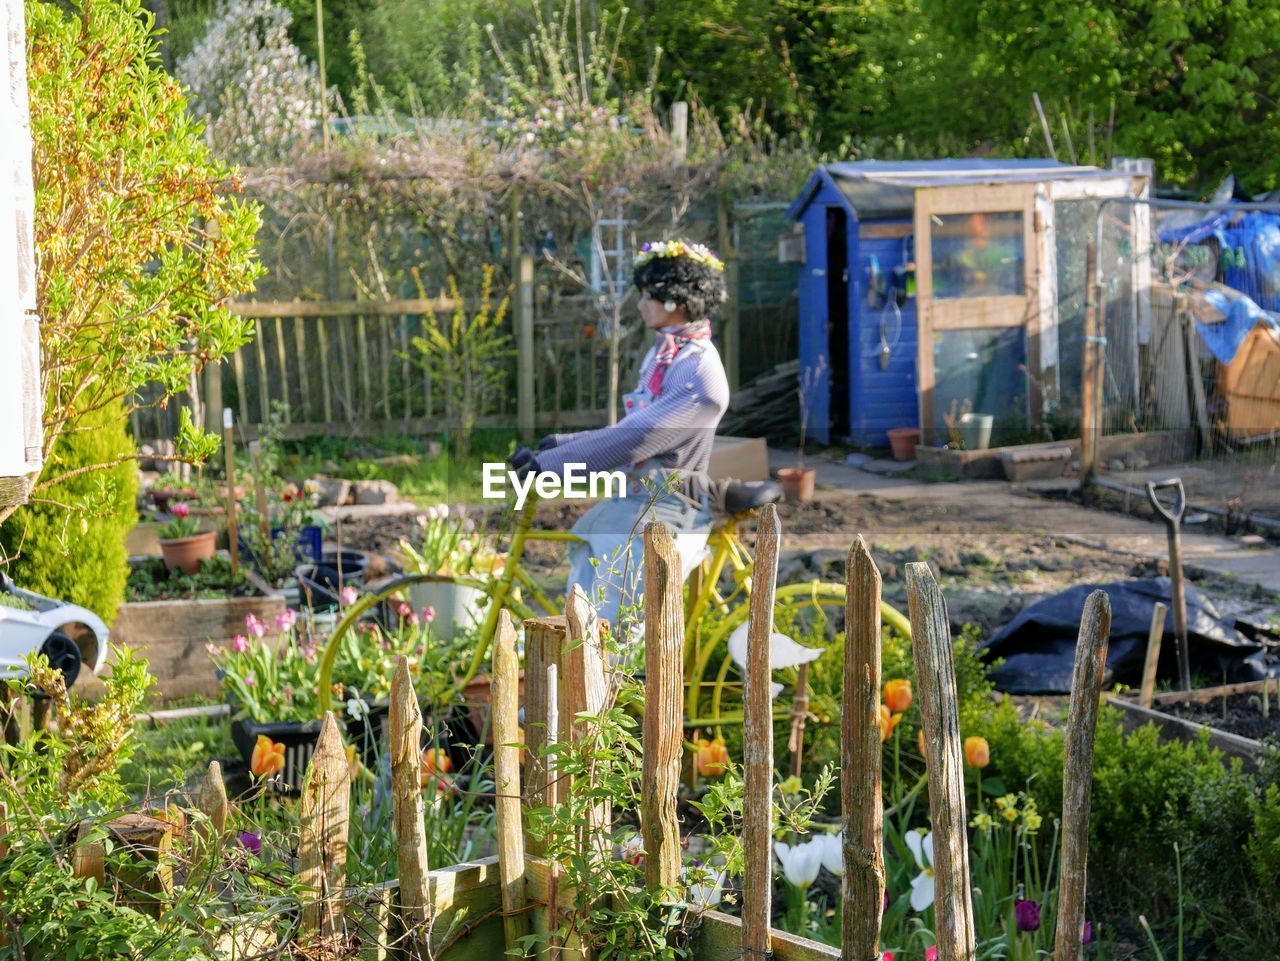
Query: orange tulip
x=888 y=721
x=436 y=759
x=268 y=757
x=712 y=757
x=977 y=752
x=920 y=741
x=897 y=695
x=353 y=763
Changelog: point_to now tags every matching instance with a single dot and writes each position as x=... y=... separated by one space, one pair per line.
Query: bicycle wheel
x=811 y=616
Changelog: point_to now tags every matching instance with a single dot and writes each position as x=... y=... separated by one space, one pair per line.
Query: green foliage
x=138 y=242
x=69 y=542
x=1264 y=846
x=466 y=356
x=153 y=581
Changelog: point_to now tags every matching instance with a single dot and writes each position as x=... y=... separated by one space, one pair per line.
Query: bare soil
x=1237 y=714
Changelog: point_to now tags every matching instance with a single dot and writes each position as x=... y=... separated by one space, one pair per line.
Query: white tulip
x=832 y=852
x=921 y=846
x=800 y=862
x=783 y=651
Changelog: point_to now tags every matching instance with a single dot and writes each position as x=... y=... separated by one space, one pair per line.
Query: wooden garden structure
x=483 y=909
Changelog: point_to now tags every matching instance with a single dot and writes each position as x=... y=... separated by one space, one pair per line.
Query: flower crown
x=678 y=248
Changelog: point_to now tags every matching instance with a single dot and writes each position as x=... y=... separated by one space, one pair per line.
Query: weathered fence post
x=543 y=639
x=322 y=848
x=407 y=805
x=506 y=777
x=862 y=806
x=1077 y=774
x=582 y=691
x=663 y=697
x=211 y=801
x=1154 y=636
x=940 y=718
x=757 y=750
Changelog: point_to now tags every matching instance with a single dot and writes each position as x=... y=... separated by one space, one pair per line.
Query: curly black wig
x=697 y=287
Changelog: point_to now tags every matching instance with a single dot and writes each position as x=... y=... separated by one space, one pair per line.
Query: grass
x=168 y=754
x=420 y=476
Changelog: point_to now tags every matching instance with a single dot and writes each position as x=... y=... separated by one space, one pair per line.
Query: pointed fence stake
x=211 y=800
x=757 y=749
x=408 y=810
x=1154 y=637
x=1077 y=774
x=663 y=730
x=583 y=691
x=940 y=717
x=506 y=776
x=322 y=849
x=862 y=805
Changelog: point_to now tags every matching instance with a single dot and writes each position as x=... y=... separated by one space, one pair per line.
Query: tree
x=139 y=241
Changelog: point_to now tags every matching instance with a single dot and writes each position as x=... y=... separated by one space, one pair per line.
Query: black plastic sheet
x=1038 y=646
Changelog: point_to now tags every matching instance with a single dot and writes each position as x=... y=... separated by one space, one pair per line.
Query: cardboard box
x=739 y=458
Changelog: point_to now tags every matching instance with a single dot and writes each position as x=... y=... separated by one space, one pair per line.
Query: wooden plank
x=861 y=800
x=304 y=368
x=925 y=374
x=979 y=199
x=408 y=811
x=406 y=369
x=506 y=776
x=348 y=398
x=663 y=723
x=583 y=690
x=525 y=359
x=1154 y=635
x=323 y=820
x=264 y=383
x=384 y=357
x=757 y=749
x=1090 y=416
x=324 y=337
x=282 y=373
x=1205 y=694
x=340 y=308
x=719 y=938
x=242 y=399
x=366 y=364
x=939 y=714
x=1077 y=776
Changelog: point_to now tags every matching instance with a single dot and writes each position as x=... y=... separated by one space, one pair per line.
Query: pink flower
x=239 y=644
x=403 y=609
x=309 y=653
x=931 y=953
x=413 y=618
x=286 y=619
x=428 y=614
x=287 y=691
x=250 y=679
x=887 y=956
x=212 y=649
x=180 y=510
x=347 y=596
x=255 y=625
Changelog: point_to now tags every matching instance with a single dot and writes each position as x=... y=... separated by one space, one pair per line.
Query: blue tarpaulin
x=1241 y=314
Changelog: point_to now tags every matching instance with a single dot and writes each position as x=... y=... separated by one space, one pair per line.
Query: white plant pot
x=976 y=430
x=457 y=606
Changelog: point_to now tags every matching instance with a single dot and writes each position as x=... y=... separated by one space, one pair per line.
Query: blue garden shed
x=928 y=288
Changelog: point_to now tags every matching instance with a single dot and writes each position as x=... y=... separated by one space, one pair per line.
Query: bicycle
x=806 y=609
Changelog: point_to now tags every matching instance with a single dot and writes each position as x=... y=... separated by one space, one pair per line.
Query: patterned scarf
x=670 y=342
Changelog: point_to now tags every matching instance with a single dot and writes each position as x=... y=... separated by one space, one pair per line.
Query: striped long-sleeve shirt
x=677 y=428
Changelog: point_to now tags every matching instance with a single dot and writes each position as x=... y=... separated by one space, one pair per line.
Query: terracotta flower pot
x=186 y=553
x=797 y=483
x=903 y=440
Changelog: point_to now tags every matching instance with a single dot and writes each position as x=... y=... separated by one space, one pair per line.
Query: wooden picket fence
x=483 y=909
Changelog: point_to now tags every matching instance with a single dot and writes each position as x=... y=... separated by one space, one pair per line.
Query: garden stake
x=211 y=801
x=408 y=810
x=663 y=729
x=1154 y=636
x=1077 y=775
x=1173 y=524
x=323 y=822
x=543 y=637
x=229 y=448
x=939 y=716
x=799 y=713
x=506 y=777
x=582 y=691
x=861 y=801
x=260 y=496
x=757 y=744
x=552 y=793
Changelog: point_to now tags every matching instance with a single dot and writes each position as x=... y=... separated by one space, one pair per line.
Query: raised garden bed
x=943 y=463
x=174 y=618
x=1187 y=722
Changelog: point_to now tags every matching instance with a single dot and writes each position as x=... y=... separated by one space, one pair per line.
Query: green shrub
x=1264 y=845
x=70 y=542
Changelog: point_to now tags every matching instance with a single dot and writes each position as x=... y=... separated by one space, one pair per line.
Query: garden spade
x=1173 y=524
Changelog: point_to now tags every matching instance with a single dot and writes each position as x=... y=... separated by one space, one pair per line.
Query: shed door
x=976 y=270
